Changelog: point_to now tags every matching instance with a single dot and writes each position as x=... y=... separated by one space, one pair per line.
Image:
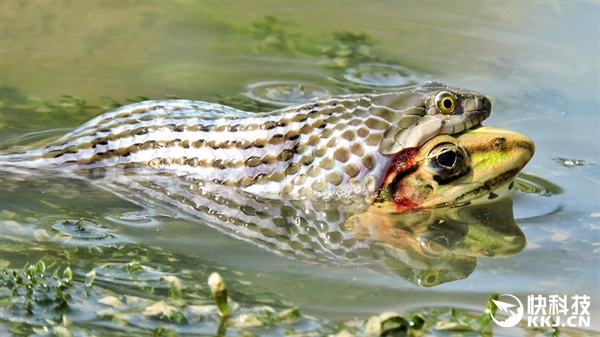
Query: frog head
x=476 y=166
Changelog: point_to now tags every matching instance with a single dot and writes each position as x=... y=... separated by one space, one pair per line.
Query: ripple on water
x=81 y=232
x=529 y=204
x=283 y=93
x=529 y=183
x=379 y=75
x=134 y=219
x=132 y=274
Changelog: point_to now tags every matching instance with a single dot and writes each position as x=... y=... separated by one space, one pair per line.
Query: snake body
x=338 y=147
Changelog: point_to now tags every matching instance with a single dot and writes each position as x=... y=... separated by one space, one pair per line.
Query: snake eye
x=445 y=102
x=447 y=162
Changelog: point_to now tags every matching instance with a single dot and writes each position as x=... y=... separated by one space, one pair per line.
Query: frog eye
x=445 y=102
x=447 y=159
x=447 y=162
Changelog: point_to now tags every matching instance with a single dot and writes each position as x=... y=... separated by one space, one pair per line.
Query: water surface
x=538 y=62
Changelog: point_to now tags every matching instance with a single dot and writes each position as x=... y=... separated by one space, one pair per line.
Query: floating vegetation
x=33 y=293
x=572 y=162
x=81 y=229
x=105 y=286
x=63 y=302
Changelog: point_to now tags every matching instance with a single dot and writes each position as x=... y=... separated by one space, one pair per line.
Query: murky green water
x=538 y=62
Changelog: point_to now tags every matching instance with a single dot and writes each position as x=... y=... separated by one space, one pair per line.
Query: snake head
x=434 y=109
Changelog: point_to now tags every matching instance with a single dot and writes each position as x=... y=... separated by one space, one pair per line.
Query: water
x=538 y=62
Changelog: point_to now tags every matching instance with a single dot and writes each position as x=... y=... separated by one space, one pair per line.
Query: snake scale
x=333 y=148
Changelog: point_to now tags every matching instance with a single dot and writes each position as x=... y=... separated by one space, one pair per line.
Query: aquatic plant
x=36 y=300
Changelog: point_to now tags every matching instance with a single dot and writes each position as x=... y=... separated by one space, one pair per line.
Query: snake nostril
x=487 y=104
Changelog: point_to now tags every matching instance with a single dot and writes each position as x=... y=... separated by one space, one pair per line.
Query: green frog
x=445 y=204
x=474 y=166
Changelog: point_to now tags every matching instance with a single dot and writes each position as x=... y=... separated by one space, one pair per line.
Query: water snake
x=333 y=148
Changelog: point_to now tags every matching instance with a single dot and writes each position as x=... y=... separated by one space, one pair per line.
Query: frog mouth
x=494 y=189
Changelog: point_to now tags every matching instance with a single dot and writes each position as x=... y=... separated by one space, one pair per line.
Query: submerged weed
x=342 y=48
x=273 y=35
x=37 y=301
x=346 y=48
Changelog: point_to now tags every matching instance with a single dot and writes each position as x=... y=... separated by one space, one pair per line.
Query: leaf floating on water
x=247 y=321
x=289 y=315
x=165 y=312
x=41 y=235
x=373 y=326
x=560 y=236
x=111 y=301
x=572 y=162
x=6 y=214
x=61 y=331
x=386 y=324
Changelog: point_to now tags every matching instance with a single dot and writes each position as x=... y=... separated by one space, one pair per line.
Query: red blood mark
x=404 y=203
x=404 y=160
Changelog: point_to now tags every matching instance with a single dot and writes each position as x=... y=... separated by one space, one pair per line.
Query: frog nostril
x=499 y=141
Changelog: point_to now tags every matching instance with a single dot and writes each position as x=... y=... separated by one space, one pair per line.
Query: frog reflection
x=413 y=229
x=429 y=247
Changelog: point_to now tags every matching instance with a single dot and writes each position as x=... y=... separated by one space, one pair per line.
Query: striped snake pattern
x=331 y=148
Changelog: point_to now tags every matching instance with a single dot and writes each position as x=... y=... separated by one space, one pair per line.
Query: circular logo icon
x=511 y=308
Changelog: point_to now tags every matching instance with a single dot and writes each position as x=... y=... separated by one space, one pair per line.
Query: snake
x=337 y=147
